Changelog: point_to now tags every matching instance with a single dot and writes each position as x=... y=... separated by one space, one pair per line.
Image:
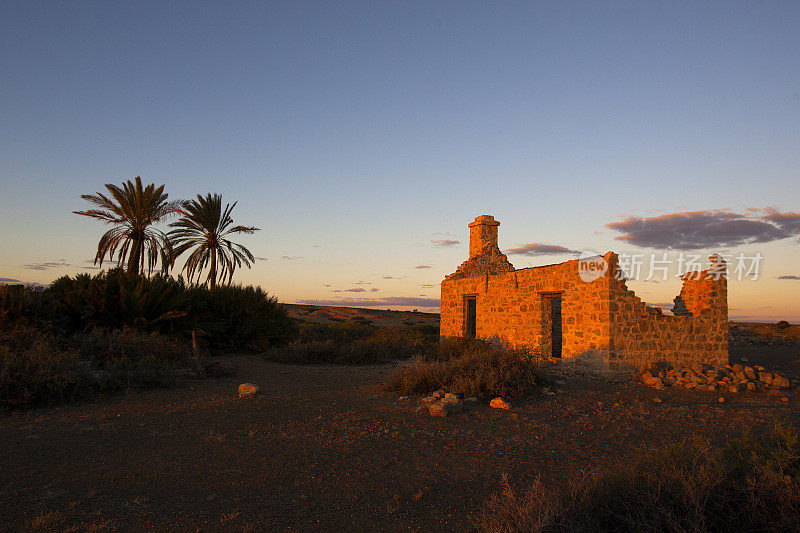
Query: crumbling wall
x=641 y=335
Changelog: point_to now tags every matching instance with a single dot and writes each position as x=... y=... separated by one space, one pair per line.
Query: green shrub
x=22 y=305
x=471 y=367
x=752 y=484
x=229 y=317
x=118 y=299
x=239 y=318
x=782 y=324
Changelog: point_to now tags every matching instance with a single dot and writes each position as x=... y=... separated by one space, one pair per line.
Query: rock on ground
x=499 y=403
x=246 y=390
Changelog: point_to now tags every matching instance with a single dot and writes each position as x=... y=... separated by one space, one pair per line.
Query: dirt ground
x=324 y=448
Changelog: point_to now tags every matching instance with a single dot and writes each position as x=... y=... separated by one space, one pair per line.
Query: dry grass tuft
x=752 y=484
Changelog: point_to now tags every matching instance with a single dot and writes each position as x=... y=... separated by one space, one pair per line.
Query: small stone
x=744 y=360
x=246 y=390
x=499 y=403
x=750 y=372
x=429 y=400
x=438 y=409
x=403 y=398
x=784 y=399
x=657 y=400
x=691 y=385
x=765 y=377
x=438 y=394
x=733 y=388
x=751 y=385
x=737 y=368
x=451 y=396
x=780 y=382
x=721 y=399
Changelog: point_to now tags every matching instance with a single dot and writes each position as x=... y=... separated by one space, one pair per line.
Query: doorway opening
x=551 y=325
x=555 y=326
x=470 y=316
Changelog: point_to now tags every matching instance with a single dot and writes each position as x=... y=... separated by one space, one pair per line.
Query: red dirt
x=325 y=448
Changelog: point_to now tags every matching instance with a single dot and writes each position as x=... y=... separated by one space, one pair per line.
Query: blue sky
x=354 y=134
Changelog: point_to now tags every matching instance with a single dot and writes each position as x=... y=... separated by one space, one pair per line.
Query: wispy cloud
x=387 y=277
x=355 y=289
x=423 y=266
x=47 y=266
x=713 y=228
x=540 y=248
x=407 y=301
x=428 y=286
x=444 y=243
x=363 y=283
x=10 y=280
x=291 y=257
x=374 y=289
x=788 y=277
x=261 y=258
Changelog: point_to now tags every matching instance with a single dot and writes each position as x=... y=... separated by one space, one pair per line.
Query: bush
x=38 y=368
x=782 y=324
x=340 y=332
x=22 y=305
x=229 y=317
x=117 y=299
x=348 y=344
x=240 y=318
x=752 y=484
x=471 y=367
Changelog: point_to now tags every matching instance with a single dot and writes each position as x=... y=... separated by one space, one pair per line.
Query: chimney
x=482 y=235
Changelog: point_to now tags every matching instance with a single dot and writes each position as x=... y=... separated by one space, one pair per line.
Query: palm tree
x=132 y=210
x=204 y=225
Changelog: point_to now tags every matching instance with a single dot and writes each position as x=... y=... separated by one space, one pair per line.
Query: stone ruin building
x=582 y=307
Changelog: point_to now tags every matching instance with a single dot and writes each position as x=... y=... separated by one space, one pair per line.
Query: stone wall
x=599 y=315
x=641 y=335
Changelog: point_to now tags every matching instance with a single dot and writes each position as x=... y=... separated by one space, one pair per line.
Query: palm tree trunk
x=212 y=273
x=135 y=257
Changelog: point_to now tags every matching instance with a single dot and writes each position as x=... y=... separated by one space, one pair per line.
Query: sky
x=363 y=137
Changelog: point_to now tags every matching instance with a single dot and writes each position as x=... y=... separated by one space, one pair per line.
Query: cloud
x=387 y=277
x=788 y=277
x=13 y=281
x=290 y=257
x=540 y=248
x=261 y=258
x=46 y=266
x=355 y=289
x=110 y=263
x=389 y=301
x=444 y=243
x=423 y=266
x=715 y=228
x=428 y=285
x=363 y=283
x=374 y=289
